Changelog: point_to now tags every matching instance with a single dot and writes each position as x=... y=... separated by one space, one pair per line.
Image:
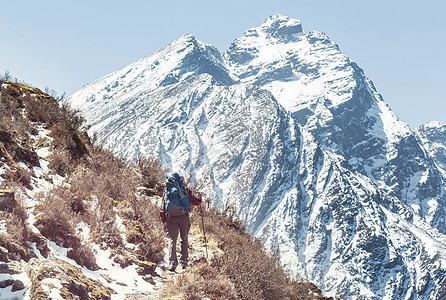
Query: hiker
x=175 y=216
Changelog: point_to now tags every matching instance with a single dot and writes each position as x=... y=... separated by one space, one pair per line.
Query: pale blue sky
x=66 y=44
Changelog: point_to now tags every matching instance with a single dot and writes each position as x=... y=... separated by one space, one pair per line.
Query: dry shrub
x=18 y=176
x=99 y=188
x=10 y=105
x=116 y=178
x=16 y=224
x=153 y=174
x=14 y=130
x=254 y=273
x=66 y=124
x=24 y=177
x=83 y=255
x=11 y=250
x=15 y=126
x=202 y=282
x=50 y=111
x=57 y=222
x=42 y=109
x=61 y=162
x=103 y=160
x=251 y=270
x=142 y=220
x=216 y=222
x=107 y=181
x=18 y=234
x=114 y=182
x=90 y=199
x=69 y=139
x=18 y=148
x=103 y=225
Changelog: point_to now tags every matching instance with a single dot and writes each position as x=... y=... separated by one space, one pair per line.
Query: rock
x=41 y=243
x=6 y=283
x=74 y=283
x=13 y=267
x=17 y=286
x=149 y=279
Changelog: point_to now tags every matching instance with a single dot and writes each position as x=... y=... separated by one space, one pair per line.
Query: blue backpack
x=175 y=200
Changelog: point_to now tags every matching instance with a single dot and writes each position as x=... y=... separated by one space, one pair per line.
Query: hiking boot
x=172 y=266
x=184 y=265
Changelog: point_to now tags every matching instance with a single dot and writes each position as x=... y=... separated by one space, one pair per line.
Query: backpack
x=175 y=200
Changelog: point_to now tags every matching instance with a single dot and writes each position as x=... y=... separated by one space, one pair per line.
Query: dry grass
x=92 y=198
x=18 y=235
x=15 y=132
x=20 y=104
x=142 y=221
x=253 y=273
x=57 y=222
x=18 y=176
x=101 y=190
x=202 y=282
x=16 y=225
x=153 y=174
x=11 y=250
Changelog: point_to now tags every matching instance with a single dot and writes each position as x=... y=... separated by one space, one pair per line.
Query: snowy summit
x=290 y=132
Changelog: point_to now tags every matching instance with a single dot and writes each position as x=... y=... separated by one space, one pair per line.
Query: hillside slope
x=78 y=222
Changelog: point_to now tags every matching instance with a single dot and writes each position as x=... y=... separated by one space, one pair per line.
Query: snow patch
x=3 y=226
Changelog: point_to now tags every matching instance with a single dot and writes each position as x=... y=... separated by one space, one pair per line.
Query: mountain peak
x=189 y=37
x=432 y=124
x=280 y=19
x=185 y=40
x=282 y=28
x=275 y=30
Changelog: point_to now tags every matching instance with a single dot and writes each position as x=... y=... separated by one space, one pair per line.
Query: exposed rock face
x=290 y=132
x=433 y=137
x=67 y=280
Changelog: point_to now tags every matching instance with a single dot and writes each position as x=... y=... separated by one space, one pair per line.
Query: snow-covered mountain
x=433 y=137
x=291 y=133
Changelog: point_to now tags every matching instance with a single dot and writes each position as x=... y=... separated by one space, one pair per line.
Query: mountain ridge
x=307 y=152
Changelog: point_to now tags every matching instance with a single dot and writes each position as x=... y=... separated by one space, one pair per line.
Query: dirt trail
x=197 y=253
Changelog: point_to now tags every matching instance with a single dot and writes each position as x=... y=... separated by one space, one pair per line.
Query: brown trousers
x=179 y=224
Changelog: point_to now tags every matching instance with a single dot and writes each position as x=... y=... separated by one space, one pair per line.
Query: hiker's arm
x=162 y=212
x=164 y=219
x=163 y=216
x=194 y=198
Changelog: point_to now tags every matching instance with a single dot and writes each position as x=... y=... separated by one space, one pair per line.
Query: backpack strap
x=163 y=203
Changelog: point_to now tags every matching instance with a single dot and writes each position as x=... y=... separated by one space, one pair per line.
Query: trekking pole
x=204 y=233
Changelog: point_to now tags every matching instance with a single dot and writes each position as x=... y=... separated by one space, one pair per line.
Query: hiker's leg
x=184 y=233
x=172 y=230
